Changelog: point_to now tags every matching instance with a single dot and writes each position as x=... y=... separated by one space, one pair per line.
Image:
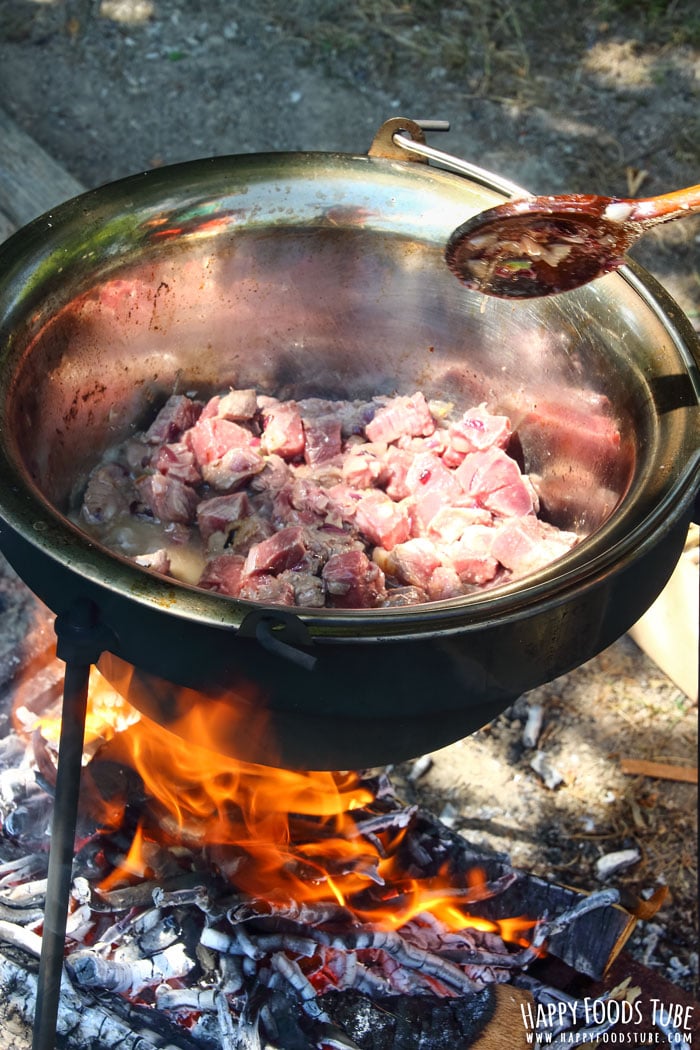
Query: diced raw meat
x=274 y=590
x=283 y=550
x=321 y=439
x=221 y=512
x=412 y=562
x=300 y=502
x=414 y=506
x=472 y=556
x=167 y=498
x=110 y=492
x=381 y=520
x=273 y=476
x=156 y=561
x=444 y=583
x=251 y=530
x=352 y=581
x=433 y=485
x=478 y=430
x=136 y=454
x=399 y=597
x=524 y=545
x=223 y=573
x=308 y=588
x=177 y=415
x=177 y=461
x=493 y=480
x=238 y=405
x=450 y=522
x=212 y=438
x=325 y=540
x=401 y=416
x=235 y=466
x=283 y=431
x=365 y=465
x=353 y=415
x=397 y=462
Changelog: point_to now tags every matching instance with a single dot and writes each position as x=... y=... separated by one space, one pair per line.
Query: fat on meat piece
x=381 y=520
x=283 y=430
x=493 y=480
x=238 y=405
x=156 y=561
x=365 y=465
x=433 y=485
x=473 y=557
x=444 y=583
x=527 y=544
x=450 y=522
x=478 y=430
x=412 y=562
x=401 y=416
x=352 y=581
x=233 y=469
x=177 y=415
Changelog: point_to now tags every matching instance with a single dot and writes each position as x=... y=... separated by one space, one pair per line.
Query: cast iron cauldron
x=322 y=274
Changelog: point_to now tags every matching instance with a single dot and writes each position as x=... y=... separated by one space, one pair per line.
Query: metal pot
x=322 y=274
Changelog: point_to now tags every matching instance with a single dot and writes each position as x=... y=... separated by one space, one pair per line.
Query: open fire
x=242 y=902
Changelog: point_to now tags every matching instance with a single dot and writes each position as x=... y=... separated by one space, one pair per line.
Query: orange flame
x=283 y=835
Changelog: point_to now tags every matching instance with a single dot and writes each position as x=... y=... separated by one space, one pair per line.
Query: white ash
x=612 y=863
x=533 y=725
x=548 y=773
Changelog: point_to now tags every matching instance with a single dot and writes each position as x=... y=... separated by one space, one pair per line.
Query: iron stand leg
x=80 y=639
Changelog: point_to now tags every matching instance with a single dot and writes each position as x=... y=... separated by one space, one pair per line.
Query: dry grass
x=496 y=49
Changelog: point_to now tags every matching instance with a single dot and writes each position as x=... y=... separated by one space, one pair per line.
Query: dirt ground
x=596 y=96
x=593 y=96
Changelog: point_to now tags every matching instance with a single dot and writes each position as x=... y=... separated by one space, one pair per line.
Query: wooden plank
x=507 y=1027
x=31 y=181
x=639 y=767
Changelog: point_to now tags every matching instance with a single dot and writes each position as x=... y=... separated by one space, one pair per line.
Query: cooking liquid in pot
x=349 y=504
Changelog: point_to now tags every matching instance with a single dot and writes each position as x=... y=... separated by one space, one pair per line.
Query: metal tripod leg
x=80 y=639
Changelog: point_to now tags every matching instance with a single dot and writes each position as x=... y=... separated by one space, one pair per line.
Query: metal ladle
x=537 y=246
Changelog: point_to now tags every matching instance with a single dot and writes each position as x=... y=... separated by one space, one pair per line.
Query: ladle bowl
x=538 y=246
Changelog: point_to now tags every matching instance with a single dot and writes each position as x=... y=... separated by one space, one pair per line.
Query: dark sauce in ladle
x=540 y=246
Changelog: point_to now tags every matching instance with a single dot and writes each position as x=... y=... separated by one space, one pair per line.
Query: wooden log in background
x=31 y=182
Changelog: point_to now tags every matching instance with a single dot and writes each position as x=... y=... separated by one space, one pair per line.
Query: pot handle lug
x=280 y=633
x=383 y=144
x=402 y=139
